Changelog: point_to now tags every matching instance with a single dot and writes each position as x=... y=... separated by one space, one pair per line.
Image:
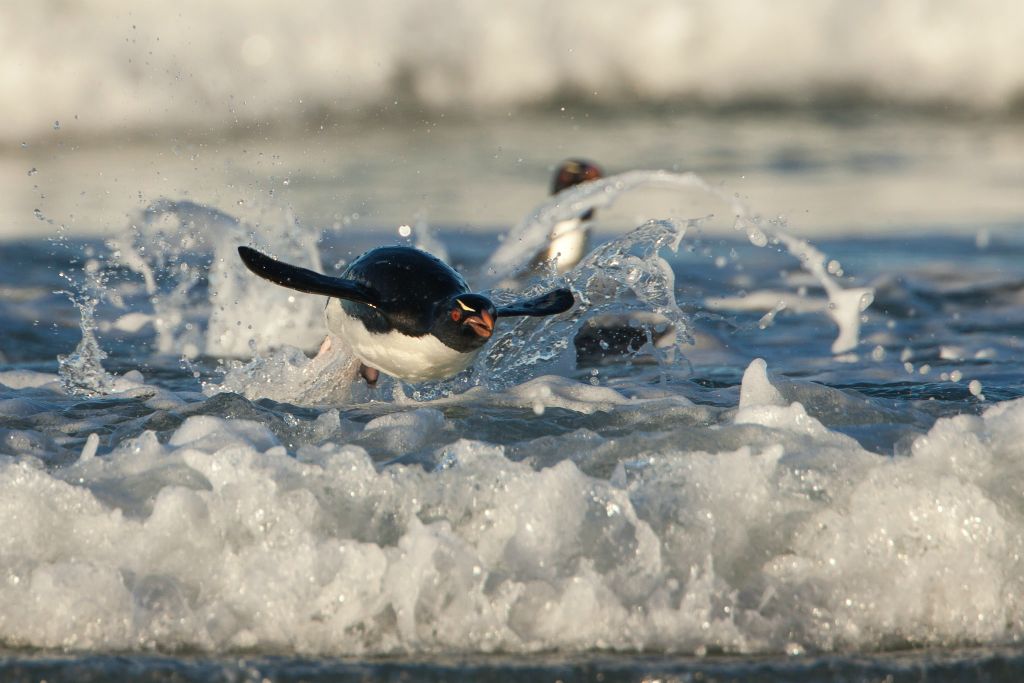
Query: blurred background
x=845 y=117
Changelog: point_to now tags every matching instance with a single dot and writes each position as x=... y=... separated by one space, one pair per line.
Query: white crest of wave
x=219 y=539
x=214 y=65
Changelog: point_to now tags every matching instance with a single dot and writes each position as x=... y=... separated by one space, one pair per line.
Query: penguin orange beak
x=482 y=324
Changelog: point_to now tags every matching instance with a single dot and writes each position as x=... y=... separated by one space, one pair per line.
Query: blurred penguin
x=569 y=240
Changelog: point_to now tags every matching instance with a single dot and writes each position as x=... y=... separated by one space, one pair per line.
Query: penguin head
x=465 y=322
x=573 y=172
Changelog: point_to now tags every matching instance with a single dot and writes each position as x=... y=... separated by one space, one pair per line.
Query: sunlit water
x=724 y=484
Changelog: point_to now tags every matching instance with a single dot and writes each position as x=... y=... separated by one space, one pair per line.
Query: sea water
x=180 y=479
x=778 y=438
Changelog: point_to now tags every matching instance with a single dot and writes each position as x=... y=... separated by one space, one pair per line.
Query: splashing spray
x=82 y=372
x=510 y=259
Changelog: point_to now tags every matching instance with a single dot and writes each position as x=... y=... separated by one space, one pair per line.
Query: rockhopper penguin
x=569 y=240
x=404 y=312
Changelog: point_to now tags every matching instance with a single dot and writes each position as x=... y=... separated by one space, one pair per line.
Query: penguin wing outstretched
x=305 y=280
x=554 y=302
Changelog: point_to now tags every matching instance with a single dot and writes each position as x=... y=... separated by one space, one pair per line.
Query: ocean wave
x=101 y=67
x=242 y=528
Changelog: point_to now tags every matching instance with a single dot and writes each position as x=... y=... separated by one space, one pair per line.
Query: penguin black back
x=409 y=284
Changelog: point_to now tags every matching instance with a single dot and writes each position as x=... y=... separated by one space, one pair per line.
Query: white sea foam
x=219 y=538
x=289 y=375
x=98 y=67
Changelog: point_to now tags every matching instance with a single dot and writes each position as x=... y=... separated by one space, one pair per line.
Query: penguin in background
x=611 y=336
x=569 y=240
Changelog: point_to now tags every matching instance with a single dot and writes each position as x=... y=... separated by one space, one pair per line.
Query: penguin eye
x=456 y=316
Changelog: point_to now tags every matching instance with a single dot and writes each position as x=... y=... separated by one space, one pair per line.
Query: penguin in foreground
x=404 y=312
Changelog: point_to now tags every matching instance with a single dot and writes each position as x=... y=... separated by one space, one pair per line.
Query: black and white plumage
x=404 y=312
x=569 y=239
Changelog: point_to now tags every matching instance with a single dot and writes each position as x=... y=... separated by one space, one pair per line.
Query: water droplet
x=33 y=171
x=56 y=125
x=757 y=237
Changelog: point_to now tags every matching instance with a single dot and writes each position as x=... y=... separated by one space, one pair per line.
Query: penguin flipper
x=554 y=302
x=305 y=280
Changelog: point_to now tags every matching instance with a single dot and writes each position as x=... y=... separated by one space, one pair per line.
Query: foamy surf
x=226 y=533
x=631 y=504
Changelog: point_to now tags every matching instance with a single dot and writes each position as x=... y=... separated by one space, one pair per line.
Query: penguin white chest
x=567 y=243
x=414 y=359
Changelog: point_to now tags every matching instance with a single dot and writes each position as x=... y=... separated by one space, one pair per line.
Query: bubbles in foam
x=217 y=538
x=289 y=375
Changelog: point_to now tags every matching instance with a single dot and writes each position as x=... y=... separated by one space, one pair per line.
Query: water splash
x=82 y=372
x=288 y=375
x=845 y=304
x=626 y=278
x=203 y=300
x=511 y=259
x=168 y=245
x=622 y=276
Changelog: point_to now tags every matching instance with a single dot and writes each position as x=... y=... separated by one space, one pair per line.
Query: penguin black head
x=465 y=321
x=573 y=172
